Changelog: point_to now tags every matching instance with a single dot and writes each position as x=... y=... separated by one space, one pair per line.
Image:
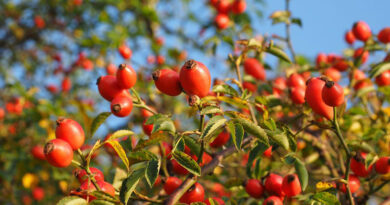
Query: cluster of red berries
x=194 y=194
x=361 y=31
x=276 y=187
x=224 y=7
x=88 y=187
x=194 y=79
x=59 y=152
x=115 y=89
x=255 y=69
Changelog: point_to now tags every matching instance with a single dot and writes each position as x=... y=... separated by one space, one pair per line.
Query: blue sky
x=325 y=22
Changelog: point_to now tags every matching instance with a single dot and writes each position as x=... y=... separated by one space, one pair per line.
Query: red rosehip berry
x=87 y=187
x=223 y=6
x=273 y=184
x=361 y=31
x=362 y=54
x=349 y=37
x=37 y=152
x=296 y=80
x=177 y=168
x=220 y=140
x=194 y=194
x=58 y=153
x=167 y=81
x=382 y=166
x=321 y=60
x=126 y=76
x=125 y=51
x=38 y=193
x=332 y=94
x=195 y=78
x=239 y=6
x=222 y=21
x=358 y=165
x=383 y=79
x=291 y=185
x=147 y=128
x=171 y=184
x=254 y=68
x=333 y=74
x=66 y=84
x=111 y=69
x=273 y=200
x=71 y=132
x=82 y=175
x=313 y=96
x=384 y=35
x=297 y=95
x=268 y=152
x=249 y=86
x=109 y=88
x=353 y=183
x=254 y=188
x=122 y=105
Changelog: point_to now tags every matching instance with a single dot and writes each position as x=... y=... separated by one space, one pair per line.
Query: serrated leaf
x=253 y=129
x=129 y=185
x=210 y=110
x=225 y=89
x=154 y=139
x=192 y=144
x=212 y=125
x=119 y=134
x=275 y=51
x=256 y=152
x=72 y=200
x=237 y=132
x=142 y=155
x=152 y=170
x=379 y=69
x=187 y=162
x=98 y=121
x=153 y=119
x=166 y=125
x=302 y=173
x=121 y=152
x=280 y=138
x=326 y=198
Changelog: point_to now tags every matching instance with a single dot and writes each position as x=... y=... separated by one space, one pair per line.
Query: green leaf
x=280 y=138
x=119 y=176
x=161 y=123
x=256 y=152
x=101 y=202
x=154 y=139
x=192 y=144
x=129 y=185
x=225 y=89
x=187 y=162
x=364 y=91
x=98 y=121
x=119 y=134
x=379 y=69
x=142 y=155
x=72 y=200
x=253 y=129
x=302 y=173
x=297 y=21
x=326 y=198
x=103 y=195
x=275 y=51
x=213 y=125
x=237 y=132
x=152 y=170
x=121 y=152
x=210 y=110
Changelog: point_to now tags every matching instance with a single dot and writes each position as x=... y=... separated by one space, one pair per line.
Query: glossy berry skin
x=167 y=81
x=273 y=200
x=382 y=166
x=215 y=199
x=268 y=152
x=220 y=140
x=82 y=175
x=171 y=184
x=147 y=128
x=333 y=74
x=111 y=69
x=58 y=153
x=194 y=194
x=122 y=105
x=349 y=37
x=38 y=193
x=177 y=168
x=280 y=84
x=195 y=78
x=362 y=84
x=291 y=185
x=384 y=35
x=361 y=31
x=239 y=6
x=249 y=86
x=126 y=76
x=321 y=59
x=353 y=183
x=359 y=75
x=146 y=113
x=37 y=152
x=313 y=97
x=125 y=51
x=358 y=165
x=71 y=132
x=297 y=95
x=296 y=80
x=383 y=79
x=254 y=68
x=362 y=54
x=223 y=6
x=273 y=184
x=88 y=187
x=333 y=94
x=254 y=188
x=109 y=88
x=221 y=20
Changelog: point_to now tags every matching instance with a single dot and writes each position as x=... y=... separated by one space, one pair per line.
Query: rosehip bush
x=109 y=102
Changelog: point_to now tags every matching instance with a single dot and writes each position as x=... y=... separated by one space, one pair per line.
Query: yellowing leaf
x=321 y=186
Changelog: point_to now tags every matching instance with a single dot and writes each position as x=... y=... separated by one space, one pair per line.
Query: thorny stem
x=347 y=151
x=288 y=34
